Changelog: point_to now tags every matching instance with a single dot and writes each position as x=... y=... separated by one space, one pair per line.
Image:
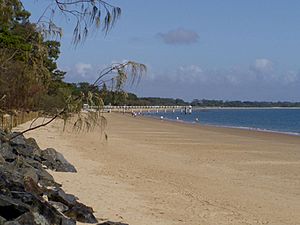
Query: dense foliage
x=29 y=76
x=221 y=103
x=27 y=62
x=131 y=99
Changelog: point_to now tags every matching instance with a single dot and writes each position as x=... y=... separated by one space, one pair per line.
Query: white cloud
x=82 y=69
x=263 y=66
x=190 y=73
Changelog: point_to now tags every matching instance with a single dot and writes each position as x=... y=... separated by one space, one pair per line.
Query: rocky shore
x=28 y=193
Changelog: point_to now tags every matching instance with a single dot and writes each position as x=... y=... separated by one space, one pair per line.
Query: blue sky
x=214 y=49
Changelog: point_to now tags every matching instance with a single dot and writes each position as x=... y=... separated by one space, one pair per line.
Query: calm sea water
x=278 y=120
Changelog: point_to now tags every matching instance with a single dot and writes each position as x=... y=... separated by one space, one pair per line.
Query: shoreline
x=195 y=107
x=157 y=172
x=289 y=129
x=228 y=129
x=224 y=126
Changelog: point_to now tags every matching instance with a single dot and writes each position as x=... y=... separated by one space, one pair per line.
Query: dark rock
x=28 y=219
x=23 y=150
x=56 y=161
x=37 y=152
x=34 y=163
x=11 y=209
x=25 y=147
x=41 y=212
x=77 y=210
x=32 y=187
x=20 y=168
x=28 y=193
x=3 y=137
x=58 y=195
x=31 y=167
x=59 y=206
x=32 y=142
x=10 y=179
x=51 y=214
x=2 y=160
x=19 y=140
x=112 y=223
x=7 y=152
x=46 y=179
x=31 y=172
x=23 y=196
x=67 y=221
x=12 y=223
x=2 y=133
x=81 y=213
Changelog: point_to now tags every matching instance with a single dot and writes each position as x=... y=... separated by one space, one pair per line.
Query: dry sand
x=158 y=172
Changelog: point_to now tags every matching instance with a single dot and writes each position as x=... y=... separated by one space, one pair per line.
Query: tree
x=86 y=14
x=23 y=73
x=31 y=68
x=118 y=73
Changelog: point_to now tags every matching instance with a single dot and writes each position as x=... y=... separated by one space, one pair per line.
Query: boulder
x=28 y=193
x=76 y=210
x=81 y=213
x=30 y=219
x=6 y=151
x=58 y=195
x=59 y=206
x=19 y=140
x=56 y=161
x=11 y=209
x=46 y=179
x=30 y=142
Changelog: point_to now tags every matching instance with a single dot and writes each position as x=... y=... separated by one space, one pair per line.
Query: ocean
x=273 y=120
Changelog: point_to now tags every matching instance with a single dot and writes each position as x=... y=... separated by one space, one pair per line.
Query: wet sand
x=159 y=172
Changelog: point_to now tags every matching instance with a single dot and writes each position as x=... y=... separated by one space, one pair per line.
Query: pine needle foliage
x=121 y=72
x=87 y=14
x=29 y=53
x=86 y=121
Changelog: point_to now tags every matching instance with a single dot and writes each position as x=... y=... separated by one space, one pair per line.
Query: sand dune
x=158 y=172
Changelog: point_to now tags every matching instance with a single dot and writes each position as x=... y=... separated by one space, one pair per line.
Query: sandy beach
x=153 y=172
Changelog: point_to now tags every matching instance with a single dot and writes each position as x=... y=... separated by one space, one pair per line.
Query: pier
x=143 y=109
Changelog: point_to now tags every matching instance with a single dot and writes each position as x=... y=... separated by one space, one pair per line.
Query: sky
x=195 y=49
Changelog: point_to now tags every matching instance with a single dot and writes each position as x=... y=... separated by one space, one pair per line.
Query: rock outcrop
x=28 y=193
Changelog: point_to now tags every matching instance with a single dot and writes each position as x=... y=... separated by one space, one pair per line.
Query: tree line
x=29 y=76
x=30 y=79
x=221 y=103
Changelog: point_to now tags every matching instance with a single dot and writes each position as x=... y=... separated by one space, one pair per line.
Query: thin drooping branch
x=85 y=13
x=36 y=127
x=122 y=70
x=34 y=120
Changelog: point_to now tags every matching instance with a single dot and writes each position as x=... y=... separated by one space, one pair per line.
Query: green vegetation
x=221 y=103
x=29 y=77
x=23 y=73
x=130 y=99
